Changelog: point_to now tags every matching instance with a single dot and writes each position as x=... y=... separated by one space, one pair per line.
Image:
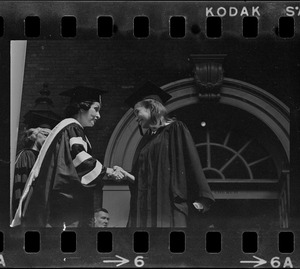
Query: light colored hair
x=159 y=114
x=30 y=136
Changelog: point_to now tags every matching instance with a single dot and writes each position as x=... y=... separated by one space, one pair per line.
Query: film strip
x=177 y=24
x=221 y=192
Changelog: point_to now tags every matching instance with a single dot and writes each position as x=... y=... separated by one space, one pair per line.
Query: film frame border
x=6 y=35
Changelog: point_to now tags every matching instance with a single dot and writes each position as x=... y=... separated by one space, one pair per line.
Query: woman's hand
x=125 y=173
x=114 y=174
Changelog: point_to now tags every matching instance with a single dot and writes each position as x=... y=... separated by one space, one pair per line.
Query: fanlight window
x=235 y=159
x=232 y=145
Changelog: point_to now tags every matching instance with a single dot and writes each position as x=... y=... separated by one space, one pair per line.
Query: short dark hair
x=74 y=108
x=101 y=209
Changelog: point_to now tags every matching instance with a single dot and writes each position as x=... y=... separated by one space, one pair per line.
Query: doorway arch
x=261 y=104
x=252 y=100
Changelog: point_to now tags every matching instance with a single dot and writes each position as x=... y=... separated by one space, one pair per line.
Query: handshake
x=118 y=174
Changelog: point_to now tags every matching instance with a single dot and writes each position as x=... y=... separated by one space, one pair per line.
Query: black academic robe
x=25 y=160
x=59 y=190
x=169 y=178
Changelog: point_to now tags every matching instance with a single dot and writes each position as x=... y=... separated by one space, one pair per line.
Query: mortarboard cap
x=148 y=91
x=82 y=93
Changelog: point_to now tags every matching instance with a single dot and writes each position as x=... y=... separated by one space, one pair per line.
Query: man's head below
x=101 y=218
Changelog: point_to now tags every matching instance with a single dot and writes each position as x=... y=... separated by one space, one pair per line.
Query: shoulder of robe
x=177 y=125
x=24 y=157
x=74 y=129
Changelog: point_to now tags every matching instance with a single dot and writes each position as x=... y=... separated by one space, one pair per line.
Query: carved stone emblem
x=208 y=75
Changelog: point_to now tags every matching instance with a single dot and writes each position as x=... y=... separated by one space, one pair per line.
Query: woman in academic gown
x=59 y=190
x=169 y=179
x=32 y=141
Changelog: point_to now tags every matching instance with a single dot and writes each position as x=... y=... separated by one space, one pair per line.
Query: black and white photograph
x=159 y=124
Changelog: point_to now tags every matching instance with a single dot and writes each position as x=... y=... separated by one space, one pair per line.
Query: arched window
x=243 y=143
x=233 y=145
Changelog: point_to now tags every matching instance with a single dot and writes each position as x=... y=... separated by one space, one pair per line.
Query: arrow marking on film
x=259 y=261
x=120 y=262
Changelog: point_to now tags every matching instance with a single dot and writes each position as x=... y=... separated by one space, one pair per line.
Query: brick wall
x=119 y=65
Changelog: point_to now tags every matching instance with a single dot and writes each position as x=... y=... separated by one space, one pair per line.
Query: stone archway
x=256 y=101
x=253 y=100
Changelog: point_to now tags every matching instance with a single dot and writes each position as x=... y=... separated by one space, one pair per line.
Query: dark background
x=119 y=66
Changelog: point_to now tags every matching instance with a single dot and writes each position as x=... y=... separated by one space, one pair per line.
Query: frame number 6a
x=275 y=262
